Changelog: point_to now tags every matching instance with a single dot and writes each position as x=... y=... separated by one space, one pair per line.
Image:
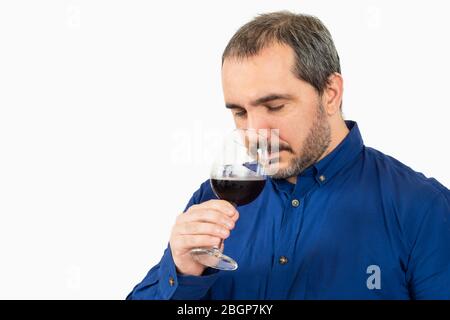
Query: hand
x=202 y=225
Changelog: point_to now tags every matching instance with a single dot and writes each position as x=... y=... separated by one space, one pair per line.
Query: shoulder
x=406 y=196
x=401 y=179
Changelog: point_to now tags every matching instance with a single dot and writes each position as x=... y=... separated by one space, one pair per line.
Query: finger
x=208 y=215
x=198 y=228
x=221 y=205
x=189 y=242
x=235 y=217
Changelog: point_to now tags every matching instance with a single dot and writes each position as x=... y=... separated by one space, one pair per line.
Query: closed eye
x=240 y=113
x=272 y=109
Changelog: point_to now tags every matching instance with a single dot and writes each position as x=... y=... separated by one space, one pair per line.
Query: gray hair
x=316 y=57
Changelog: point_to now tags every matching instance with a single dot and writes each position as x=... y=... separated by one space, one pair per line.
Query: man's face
x=263 y=93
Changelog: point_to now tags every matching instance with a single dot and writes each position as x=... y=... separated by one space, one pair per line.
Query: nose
x=267 y=135
x=257 y=121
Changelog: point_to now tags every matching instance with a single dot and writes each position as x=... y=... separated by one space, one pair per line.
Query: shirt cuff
x=183 y=287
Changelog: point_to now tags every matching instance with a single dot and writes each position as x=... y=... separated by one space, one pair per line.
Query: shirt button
x=171 y=281
x=322 y=178
x=283 y=260
x=295 y=203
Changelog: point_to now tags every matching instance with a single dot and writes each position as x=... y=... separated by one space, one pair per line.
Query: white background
x=109 y=110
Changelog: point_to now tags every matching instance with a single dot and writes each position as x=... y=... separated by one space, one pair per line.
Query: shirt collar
x=343 y=154
x=331 y=164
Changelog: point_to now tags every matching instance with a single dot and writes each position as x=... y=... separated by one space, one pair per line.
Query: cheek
x=288 y=133
x=295 y=127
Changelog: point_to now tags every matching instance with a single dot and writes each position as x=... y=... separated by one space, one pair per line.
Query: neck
x=339 y=131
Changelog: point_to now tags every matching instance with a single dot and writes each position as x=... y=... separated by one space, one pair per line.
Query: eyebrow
x=262 y=100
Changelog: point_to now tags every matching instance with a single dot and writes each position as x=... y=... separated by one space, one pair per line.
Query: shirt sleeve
x=163 y=282
x=428 y=271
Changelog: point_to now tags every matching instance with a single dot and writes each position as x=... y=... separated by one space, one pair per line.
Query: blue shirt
x=357 y=225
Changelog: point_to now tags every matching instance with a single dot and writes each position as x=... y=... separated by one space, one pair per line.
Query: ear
x=332 y=95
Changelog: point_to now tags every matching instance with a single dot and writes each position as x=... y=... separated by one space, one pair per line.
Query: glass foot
x=214 y=258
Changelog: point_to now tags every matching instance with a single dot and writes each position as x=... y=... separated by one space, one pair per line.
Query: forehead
x=268 y=71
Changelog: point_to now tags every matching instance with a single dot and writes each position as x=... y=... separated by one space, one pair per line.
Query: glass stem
x=218 y=246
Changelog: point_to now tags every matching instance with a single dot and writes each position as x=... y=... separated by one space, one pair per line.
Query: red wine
x=239 y=192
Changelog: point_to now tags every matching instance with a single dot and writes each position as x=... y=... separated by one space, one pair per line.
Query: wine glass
x=238 y=175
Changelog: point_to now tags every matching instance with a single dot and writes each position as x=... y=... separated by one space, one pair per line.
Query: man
x=339 y=220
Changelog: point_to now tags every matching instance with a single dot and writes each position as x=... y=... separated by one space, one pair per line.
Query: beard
x=315 y=144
